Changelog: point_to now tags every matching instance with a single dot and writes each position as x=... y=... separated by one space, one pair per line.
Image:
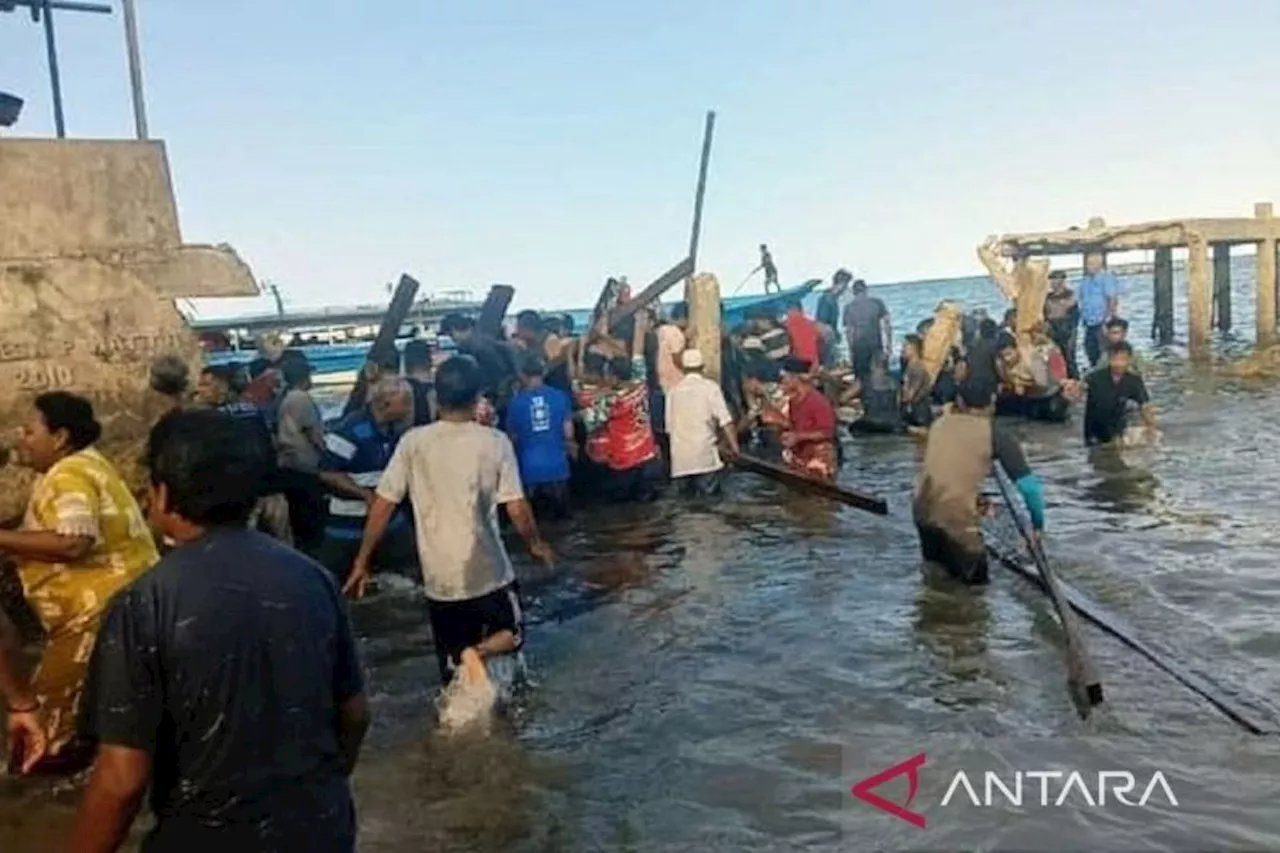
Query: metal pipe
x=55 y=82
x=135 y=68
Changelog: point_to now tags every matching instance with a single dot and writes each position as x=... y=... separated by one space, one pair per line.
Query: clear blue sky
x=551 y=144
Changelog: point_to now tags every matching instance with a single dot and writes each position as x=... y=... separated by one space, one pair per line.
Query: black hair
x=387 y=360
x=764 y=371
x=1118 y=323
x=528 y=319
x=976 y=392
x=1011 y=316
x=1006 y=341
x=211 y=466
x=859 y=286
x=417 y=354
x=988 y=329
x=842 y=276
x=916 y=341
x=795 y=364
x=568 y=323
x=553 y=325
x=1121 y=347
x=679 y=311
x=620 y=367
x=456 y=323
x=62 y=410
x=923 y=327
x=170 y=376
x=1057 y=275
x=532 y=364
x=458 y=383
x=594 y=362
x=294 y=367
x=794 y=303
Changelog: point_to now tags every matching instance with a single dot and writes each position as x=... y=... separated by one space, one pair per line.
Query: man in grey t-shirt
x=456 y=473
x=867 y=328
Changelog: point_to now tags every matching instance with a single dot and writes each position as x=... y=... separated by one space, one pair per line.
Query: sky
x=337 y=144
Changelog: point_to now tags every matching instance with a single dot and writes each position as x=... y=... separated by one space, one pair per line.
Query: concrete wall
x=91 y=259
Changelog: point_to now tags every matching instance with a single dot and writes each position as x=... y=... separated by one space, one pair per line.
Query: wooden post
x=696 y=233
x=1162 y=325
x=1032 y=278
x=385 y=343
x=1222 y=286
x=1199 y=296
x=704 y=319
x=1266 y=281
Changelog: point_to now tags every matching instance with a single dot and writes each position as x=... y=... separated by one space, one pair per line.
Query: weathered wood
x=1222 y=286
x=1162 y=324
x=1144 y=235
x=494 y=310
x=695 y=234
x=788 y=477
x=660 y=285
x=704 y=321
x=385 y=342
x=1236 y=703
x=941 y=337
x=1199 y=296
x=1266 y=280
x=989 y=253
x=1032 y=279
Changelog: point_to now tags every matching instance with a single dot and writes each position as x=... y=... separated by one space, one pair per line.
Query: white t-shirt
x=695 y=411
x=456 y=474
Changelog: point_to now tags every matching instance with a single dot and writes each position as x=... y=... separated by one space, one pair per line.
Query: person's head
x=691 y=361
x=1093 y=263
x=528 y=326
x=381 y=364
x=619 y=369
x=61 y=424
x=912 y=347
x=1011 y=318
x=214 y=386
x=458 y=385
x=391 y=400
x=760 y=375
x=417 y=357
x=795 y=374
x=988 y=330
x=840 y=281
x=554 y=325
x=532 y=370
x=206 y=471
x=170 y=376
x=923 y=327
x=794 y=308
x=295 y=369
x=1120 y=357
x=679 y=314
x=567 y=324
x=271 y=346
x=459 y=327
x=975 y=394
x=763 y=248
x=1007 y=348
x=1057 y=281
x=859 y=287
x=1117 y=330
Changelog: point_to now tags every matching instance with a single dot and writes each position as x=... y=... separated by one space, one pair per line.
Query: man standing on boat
x=828 y=315
x=868 y=328
x=957 y=460
x=770 y=269
x=1099 y=293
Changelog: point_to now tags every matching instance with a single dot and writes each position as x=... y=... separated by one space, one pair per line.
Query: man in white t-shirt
x=697 y=417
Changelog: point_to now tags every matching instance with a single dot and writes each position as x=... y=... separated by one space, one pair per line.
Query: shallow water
x=715 y=677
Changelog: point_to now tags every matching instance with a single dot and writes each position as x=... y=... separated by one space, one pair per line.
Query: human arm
x=1112 y=291
x=1008 y=453
x=1139 y=395
x=66 y=509
x=338 y=454
x=886 y=327
x=570 y=437
x=26 y=733
x=510 y=494
x=391 y=491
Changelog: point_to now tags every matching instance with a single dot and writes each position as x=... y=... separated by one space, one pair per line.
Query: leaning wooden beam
x=945 y=333
x=1236 y=703
x=660 y=285
x=1144 y=235
x=494 y=309
x=784 y=475
x=990 y=253
x=385 y=343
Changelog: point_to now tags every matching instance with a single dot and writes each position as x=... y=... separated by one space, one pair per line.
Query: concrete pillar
x=1222 y=286
x=1266 y=281
x=1199 y=296
x=1162 y=326
x=704 y=320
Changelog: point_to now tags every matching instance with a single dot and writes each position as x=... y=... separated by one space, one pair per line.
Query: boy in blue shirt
x=540 y=423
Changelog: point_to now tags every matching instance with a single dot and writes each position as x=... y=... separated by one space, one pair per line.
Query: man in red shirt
x=809 y=441
x=805 y=335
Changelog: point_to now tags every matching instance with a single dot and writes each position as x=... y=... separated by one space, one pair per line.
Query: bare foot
x=473 y=666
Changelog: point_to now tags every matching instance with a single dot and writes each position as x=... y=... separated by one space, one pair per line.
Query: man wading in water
x=457 y=473
x=1110 y=391
x=809 y=444
x=957 y=460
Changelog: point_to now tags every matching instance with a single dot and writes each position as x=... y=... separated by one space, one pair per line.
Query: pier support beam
x=1266 y=281
x=1162 y=325
x=1222 y=286
x=704 y=319
x=1199 y=296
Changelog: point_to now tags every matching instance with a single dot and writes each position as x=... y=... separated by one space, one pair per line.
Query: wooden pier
x=1208 y=282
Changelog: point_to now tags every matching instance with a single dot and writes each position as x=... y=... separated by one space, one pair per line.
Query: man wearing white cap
x=697 y=417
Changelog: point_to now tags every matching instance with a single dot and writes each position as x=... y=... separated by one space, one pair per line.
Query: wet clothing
x=81 y=495
x=361 y=448
x=805 y=338
x=1105 y=411
x=811 y=412
x=550 y=499
x=1062 y=317
x=707 y=485
x=696 y=413
x=458 y=625
x=424 y=400
x=828 y=312
x=958 y=458
x=917 y=412
x=457 y=474
x=863 y=318
x=1053 y=407
x=535 y=421
x=881 y=411
x=622 y=415
x=227 y=664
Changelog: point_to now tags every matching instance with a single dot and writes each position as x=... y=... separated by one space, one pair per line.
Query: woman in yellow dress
x=84 y=538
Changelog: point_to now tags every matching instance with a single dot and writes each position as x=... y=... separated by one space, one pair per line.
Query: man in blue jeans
x=1099 y=297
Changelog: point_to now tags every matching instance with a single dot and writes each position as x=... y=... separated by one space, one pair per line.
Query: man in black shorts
x=457 y=473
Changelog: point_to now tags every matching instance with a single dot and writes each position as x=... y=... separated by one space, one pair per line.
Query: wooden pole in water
x=696 y=232
x=1162 y=325
x=1199 y=296
x=1266 y=282
x=704 y=320
x=1222 y=286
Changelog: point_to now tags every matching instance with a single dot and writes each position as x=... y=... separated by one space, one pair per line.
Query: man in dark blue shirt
x=540 y=423
x=356 y=451
x=226 y=678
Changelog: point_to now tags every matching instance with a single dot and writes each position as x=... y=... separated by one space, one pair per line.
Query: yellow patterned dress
x=81 y=495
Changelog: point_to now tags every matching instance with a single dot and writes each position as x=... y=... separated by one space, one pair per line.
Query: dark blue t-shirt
x=535 y=421
x=227 y=663
x=360 y=448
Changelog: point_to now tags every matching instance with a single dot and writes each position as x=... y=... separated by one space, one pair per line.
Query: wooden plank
x=1162 y=325
x=494 y=309
x=708 y=133
x=659 y=286
x=1222 y=286
x=385 y=343
x=1144 y=235
x=788 y=477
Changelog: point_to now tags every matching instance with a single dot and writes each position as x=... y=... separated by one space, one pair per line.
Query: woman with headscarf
x=83 y=539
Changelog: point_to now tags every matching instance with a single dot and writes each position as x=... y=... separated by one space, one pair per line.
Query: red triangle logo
x=911 y=767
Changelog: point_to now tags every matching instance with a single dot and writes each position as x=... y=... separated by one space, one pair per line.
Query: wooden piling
x=695 y=234
x=1266 y=281
x=1199 y=296
x=1222 y=286
x=704 y=320
x=1162 y=325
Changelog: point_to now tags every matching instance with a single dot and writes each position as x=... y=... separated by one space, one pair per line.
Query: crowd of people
x=196 y=649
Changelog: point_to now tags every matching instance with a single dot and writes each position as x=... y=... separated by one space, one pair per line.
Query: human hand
x=27 y=740
x=542 y=551
x=788 y=440
x=358 y=580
